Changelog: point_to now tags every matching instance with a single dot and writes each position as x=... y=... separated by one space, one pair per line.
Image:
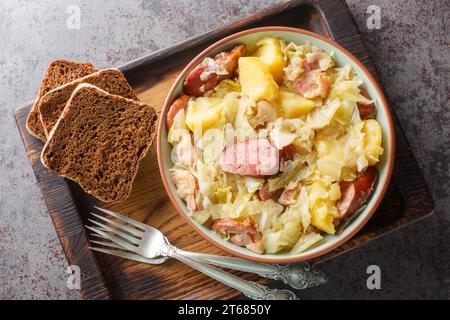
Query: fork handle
x=250 y=289
x=298 y=276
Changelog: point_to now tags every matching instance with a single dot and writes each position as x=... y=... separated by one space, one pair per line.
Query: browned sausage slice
x=287 y=152
x=257 y=157
x=266 y=194
x=205 y=76
x=229 y=59
x=366 y=110
x=177 y=105
x=355 y=193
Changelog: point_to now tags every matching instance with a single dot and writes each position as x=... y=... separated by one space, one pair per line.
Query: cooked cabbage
x=178 y=128
x=322 y=116
x=225 y=87
x=305 y=242
x=323 y=141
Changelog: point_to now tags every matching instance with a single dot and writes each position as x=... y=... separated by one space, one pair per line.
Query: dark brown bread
x=52 y=104
x=58 y=73
x=99 y=140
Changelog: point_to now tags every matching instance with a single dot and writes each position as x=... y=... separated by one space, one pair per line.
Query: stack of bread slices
x=94 y=128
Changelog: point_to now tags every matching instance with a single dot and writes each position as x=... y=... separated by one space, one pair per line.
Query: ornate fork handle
x=299 y=276
x=250 y=289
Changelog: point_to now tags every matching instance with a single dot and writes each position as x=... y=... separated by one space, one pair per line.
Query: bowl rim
x=333 y=244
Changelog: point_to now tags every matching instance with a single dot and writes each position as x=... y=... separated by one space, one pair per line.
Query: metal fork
x=150 y=243
x=299 y=276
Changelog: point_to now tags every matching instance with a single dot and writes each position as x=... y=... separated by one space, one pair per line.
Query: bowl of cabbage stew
x=276 y=144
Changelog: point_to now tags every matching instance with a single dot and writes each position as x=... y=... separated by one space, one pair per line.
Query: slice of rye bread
x=99 y=140
x=58 y=73
x=52 y=104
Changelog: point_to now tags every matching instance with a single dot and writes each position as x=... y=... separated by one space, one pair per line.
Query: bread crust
x=99 y=141
x=58 y=73
x=51 y=105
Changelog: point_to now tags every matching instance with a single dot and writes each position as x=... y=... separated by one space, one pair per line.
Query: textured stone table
x=411 y=52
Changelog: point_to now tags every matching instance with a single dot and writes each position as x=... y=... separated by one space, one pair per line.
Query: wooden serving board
x=108 y=277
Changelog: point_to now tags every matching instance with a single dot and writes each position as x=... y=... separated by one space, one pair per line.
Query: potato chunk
x=322 y=220
x=203 y=113
x=294 y=105
x=372 y=141
x=269 y=51
x=256 y=80
x=321 y=199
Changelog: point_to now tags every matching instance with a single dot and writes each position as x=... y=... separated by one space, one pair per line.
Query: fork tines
x=121 y=235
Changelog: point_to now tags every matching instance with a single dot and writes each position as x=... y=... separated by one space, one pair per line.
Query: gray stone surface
x=411 y=52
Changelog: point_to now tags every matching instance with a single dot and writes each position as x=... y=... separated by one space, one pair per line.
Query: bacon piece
x=243 y=233
x=355 y=193
x=284 y=196
x=313 y=84
x=312 y=62
x=266 y=194
x=205 y=76
x=187 y=187
x=287 y=197
x=366 y=110
x=177 y=105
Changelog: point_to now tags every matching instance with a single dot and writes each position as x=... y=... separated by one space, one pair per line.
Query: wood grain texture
x=108 y=277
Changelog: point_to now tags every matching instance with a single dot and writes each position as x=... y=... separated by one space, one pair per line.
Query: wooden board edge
x=211 y=35
x=93 y=285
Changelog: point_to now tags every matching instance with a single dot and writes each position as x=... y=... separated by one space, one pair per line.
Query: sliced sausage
x=205 y=76
x=288 y=152
x=366 y=110
x=229 y=59
x=177 y=105
x=355 y=193
x=243 y=233
x=313 y=84
x=254 y=158
x=285 y=154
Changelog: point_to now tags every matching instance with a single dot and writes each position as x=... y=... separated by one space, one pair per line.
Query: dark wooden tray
x=108 y=277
